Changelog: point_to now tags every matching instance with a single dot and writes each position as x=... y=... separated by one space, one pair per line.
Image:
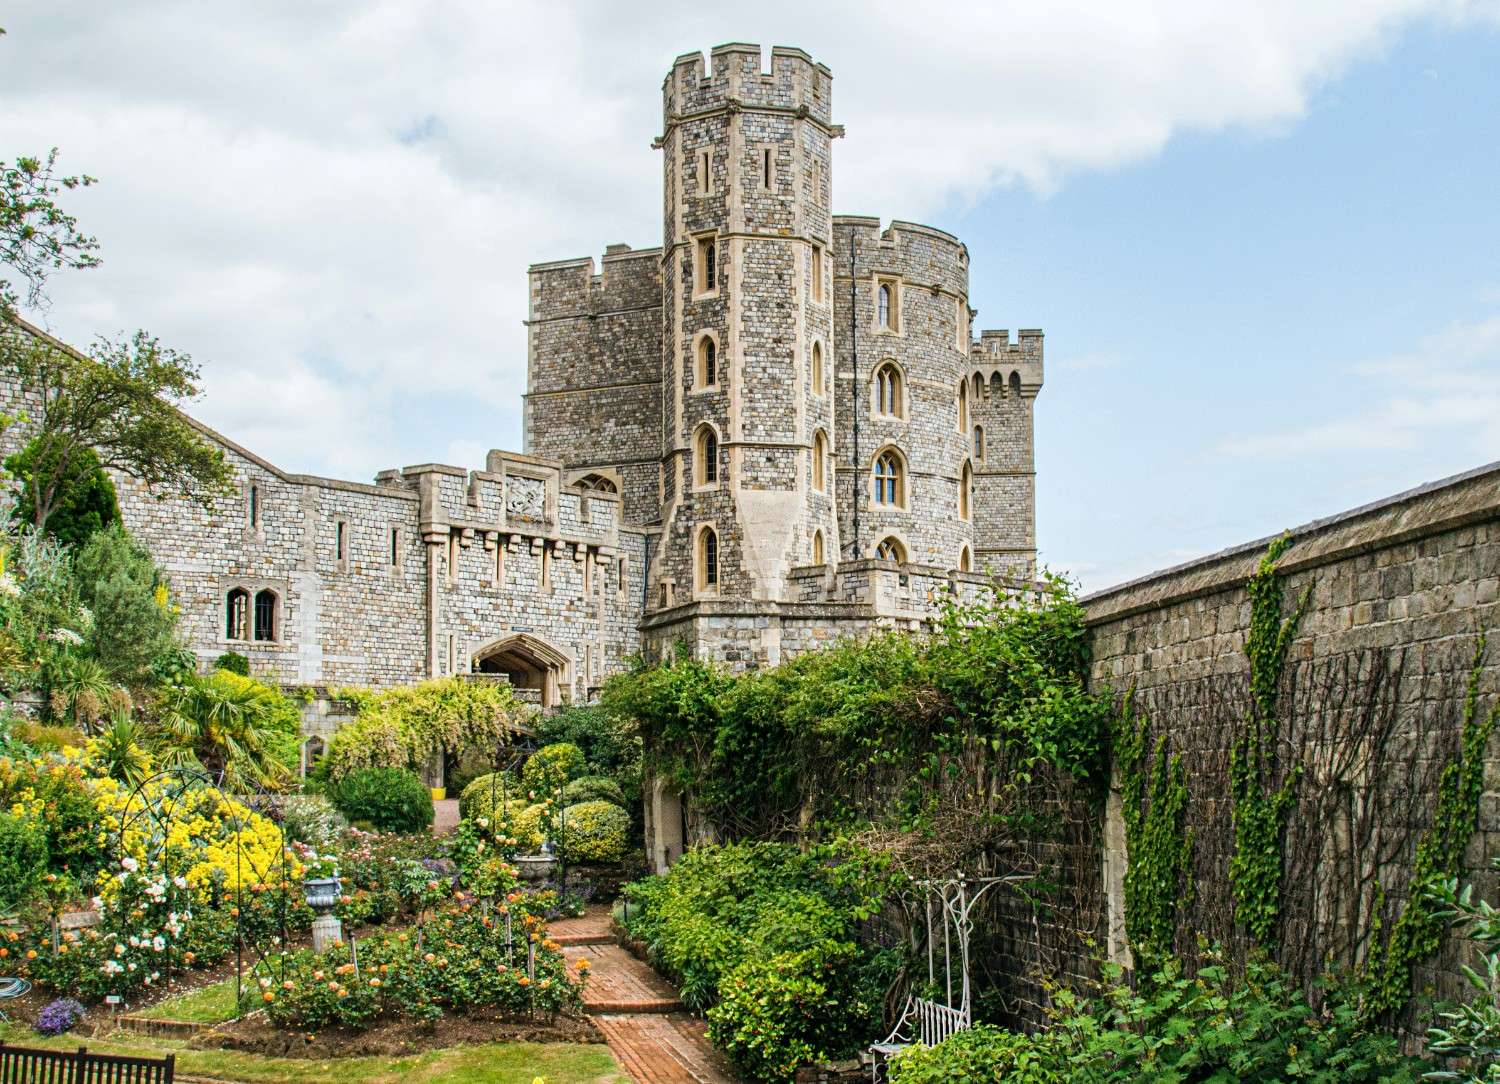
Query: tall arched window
x=965 y=561
x=884 y=305
x=978 y=387
x=817 y=369
x=890 y=549
x=708 y=558
x=1015 y=383
x=706 y=456
x=817 y=554
x=979 y=442
x=888 y=390
x=820 y=461
x=237 y=615
x=708 y=362
x=963 y=406
x=265 y=615
x=888 y=479
x=965 y=485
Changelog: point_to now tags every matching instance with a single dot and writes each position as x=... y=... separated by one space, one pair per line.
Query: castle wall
x=928 y=271
x=594 y=372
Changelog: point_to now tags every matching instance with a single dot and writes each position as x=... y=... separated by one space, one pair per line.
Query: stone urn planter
x=322 y=895
x=535 y=867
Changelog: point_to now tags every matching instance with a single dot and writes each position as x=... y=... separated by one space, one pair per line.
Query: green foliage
x=1158 y=884
x=42 y=621
x=549 y=768
x=762 y=935
x=133 y=620
x=387 y=799
x=311 y=819
x=23 y=860
x=85 y=502
x=819 y=743
x=239 y=731
x=234 y=662
x=120 y=401
x=1440 y=855
x=1468 y=1038
x=37 y=236
x=405 y=727
x=594 y=831
x=485 y=792
x=54 y=792
x=609 y=745
x=1208 y=1027
x=593 y=788
x=119 y=751
x=1262 y=794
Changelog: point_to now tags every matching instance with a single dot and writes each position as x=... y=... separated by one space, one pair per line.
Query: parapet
x=736 y=78
x=626 y=279
x=1013 y=364
x=924 y=256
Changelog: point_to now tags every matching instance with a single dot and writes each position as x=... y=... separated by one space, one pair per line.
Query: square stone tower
x=747 y=405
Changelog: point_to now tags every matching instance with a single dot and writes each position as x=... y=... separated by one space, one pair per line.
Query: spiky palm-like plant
x=221 y=726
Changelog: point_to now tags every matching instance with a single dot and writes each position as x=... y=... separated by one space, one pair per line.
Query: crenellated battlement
x=624 y=279
x=1010 y=366
x=736 y=79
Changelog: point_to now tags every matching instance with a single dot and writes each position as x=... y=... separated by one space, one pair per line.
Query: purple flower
x=59 y=1016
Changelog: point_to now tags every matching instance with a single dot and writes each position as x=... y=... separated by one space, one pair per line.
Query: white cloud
x=1448 y=385
x=332 y=206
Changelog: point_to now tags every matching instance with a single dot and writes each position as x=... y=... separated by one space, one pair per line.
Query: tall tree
x=86 y=504
x=37 y=236
x=121 y=402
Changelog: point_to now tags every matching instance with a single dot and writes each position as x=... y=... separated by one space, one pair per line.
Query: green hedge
x=594 y=832
x=593 y=788
x=387 y=799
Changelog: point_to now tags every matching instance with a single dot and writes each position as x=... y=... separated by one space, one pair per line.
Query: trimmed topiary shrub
x=388 y=799
x=487 y=791
x=594 y=832
x=234 y=662
x=593 y=788
x=550 y=767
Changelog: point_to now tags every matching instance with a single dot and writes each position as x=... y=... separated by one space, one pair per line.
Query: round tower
x=1005 y=378
x=747 y=358
x=906 y=474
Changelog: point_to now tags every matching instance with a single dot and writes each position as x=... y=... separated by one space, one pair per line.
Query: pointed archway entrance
x=538 y=670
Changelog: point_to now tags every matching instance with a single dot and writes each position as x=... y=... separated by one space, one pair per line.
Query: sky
x=1263 y=239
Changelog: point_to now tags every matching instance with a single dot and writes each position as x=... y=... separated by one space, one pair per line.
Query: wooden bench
x=924 y=1023
x=26 y=1065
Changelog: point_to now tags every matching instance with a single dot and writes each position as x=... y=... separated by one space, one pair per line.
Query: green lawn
x=492 y=1063
x=208 y=1005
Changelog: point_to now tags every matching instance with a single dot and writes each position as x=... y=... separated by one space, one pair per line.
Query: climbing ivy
x=1160 y=847
x=1440 y=853
x=1261 y=802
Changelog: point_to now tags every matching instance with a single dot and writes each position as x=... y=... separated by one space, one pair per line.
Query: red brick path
x=444 y=816
x=637 y=1010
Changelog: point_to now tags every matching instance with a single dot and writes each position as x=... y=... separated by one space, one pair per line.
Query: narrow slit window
x=452 y=557
x=341 y=542
x=765 y=168
x=705 y=164
x=708 y=558
x=708 y=456
x=395 y=554
x=884 y=303
x=254 y=506
x=817 y=369
x=500 y=562
x=708 y=265
x=817 y=548
x=817 y=272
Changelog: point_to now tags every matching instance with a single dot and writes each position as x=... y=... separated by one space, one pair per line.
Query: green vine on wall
x=1262 y=801
x=1440 y=854
x=1159 y=846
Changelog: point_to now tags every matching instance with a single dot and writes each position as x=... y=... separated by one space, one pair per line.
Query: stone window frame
x=893 y=324
x=818 y=368
x=892 y=547
x=702 y=432
x=237 y=621
x=765 y=168
x=965 y=558
x=966 y=492
x=707 y=570
x=900 y=393
x=274 y=632
x=253 y=508
x=961 y=401
x=819 y=555
x=253 y=589
x=701 y=340
x=705 y=160
x=706 y=258
x=817 y=270
x=622 y=564
x=396 y=551
x=900 y=478
x=820 y=470
x=977 y=442
x=341 y=544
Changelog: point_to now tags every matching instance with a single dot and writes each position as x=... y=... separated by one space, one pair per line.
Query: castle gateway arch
x=539 y=671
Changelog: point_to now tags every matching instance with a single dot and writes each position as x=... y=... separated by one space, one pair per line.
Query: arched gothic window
x=265 y=615
x=888 y=479
x=820 y=461
x=888 y=390
x=884 y=303
x=817 y=369
x=979 y=442
x=963 y=406
x=708 y=362
x=237 y=615
x=817 y=549
x=706 y=467
x=1015 y=383
x=965 y=562
x=708 y=558
x=890 y=549
x=965 y=486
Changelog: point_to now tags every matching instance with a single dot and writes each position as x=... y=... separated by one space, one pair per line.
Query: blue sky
x=1263 y=240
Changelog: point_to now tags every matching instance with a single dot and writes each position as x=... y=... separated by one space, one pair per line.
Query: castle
x=775 y=430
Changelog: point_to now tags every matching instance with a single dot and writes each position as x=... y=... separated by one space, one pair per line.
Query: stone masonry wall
x=1400 y=592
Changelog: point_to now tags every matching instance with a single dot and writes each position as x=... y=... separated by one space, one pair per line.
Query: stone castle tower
x=790 y=402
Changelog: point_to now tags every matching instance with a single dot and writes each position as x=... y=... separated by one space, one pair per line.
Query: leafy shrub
x=87 y=502
x=593 y=788
x=594 y=832
x=464 y=964
x=234 y=662
x=23 y=859
x=609 y=744
x=312 y=819
x=58 y=1017
x=387 y=799
x=126 y=595
x=54 y=792
x=982 y=1054
x=480 y=797
x=549 y=768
